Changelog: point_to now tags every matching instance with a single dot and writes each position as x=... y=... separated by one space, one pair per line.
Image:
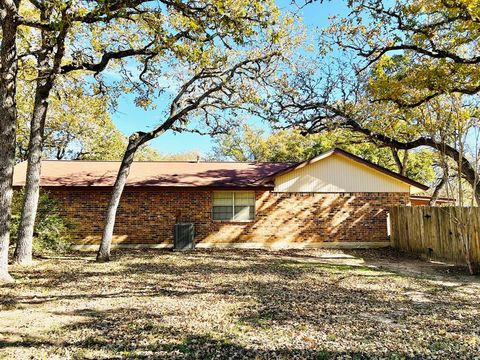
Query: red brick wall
x=147 y=216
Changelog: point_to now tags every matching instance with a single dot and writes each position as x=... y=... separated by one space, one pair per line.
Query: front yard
x=240 y=304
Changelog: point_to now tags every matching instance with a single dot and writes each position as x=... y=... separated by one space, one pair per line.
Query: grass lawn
x=232 y=304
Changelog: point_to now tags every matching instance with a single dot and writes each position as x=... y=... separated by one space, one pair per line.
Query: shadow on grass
x=158 y=269
x=119 y=334
x=188 y=347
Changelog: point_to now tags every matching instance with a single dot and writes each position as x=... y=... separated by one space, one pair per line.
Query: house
x=333 y=200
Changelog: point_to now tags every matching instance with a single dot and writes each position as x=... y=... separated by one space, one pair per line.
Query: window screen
x=223 y=205
x=234 y=205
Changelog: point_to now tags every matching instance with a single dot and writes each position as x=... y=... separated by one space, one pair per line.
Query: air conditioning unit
x=183 y=237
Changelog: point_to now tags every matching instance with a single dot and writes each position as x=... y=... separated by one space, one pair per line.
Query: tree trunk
x=134 y=143
x=438 y=187
x=23 y=250
x=45 y=80
x=477 y=192
x=8 y=120
x=401 y=164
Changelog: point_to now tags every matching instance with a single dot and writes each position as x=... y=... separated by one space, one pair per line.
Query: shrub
x=51 y=232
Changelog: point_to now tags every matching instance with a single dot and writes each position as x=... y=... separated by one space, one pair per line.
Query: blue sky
x=129 y=118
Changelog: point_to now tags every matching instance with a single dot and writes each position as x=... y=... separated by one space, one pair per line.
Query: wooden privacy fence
x=437 y=231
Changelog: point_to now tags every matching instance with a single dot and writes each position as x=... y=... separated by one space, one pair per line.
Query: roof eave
x=383 y=170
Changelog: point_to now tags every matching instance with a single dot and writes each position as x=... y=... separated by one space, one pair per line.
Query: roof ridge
x=179 y=161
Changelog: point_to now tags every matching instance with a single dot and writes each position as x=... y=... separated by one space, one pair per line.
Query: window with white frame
x=234 y=205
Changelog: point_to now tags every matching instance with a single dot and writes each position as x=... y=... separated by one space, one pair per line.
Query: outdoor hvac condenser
x=183 y=235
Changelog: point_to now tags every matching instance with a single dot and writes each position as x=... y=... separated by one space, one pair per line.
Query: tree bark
x=438 y=187
x=134 y=143
x=23 y=249
x=8 y=120
x=45 y=81
x=401 y=163
x=177 y=112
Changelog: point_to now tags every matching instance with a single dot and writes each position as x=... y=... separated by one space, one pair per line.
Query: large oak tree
x=91 y=37
x=408 y=78
x=207 y=101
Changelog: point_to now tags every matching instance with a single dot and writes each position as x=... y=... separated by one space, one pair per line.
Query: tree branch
x=106 y=58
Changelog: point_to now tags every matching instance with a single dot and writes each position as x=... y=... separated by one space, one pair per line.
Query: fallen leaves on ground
x=236 y=304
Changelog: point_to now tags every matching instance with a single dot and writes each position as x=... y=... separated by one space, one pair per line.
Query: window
x=234 y=205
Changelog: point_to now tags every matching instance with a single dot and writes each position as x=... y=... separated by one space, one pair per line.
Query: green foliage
x=160 y=36
x=421 y=166
x=252 y=144
x=51 y=232
x=78 y=126
x=419 y=49
x=142 y=48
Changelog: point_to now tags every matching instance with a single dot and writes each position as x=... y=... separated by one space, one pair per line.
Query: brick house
x=333 y=200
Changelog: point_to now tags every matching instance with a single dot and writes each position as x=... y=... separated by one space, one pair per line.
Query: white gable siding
x=337 y=173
